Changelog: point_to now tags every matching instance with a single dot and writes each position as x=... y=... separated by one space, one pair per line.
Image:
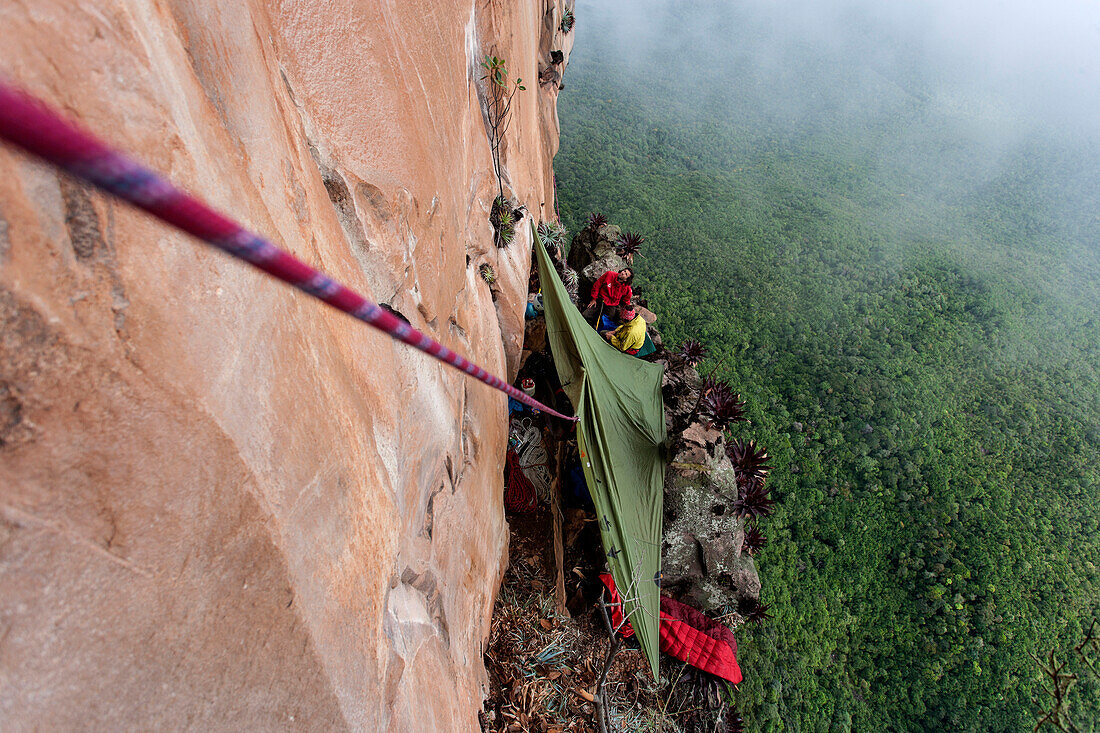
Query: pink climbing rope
x=29 y=124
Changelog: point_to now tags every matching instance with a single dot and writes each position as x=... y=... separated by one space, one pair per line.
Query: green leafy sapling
x=498 y=107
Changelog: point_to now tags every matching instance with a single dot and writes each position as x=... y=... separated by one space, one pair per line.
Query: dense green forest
x=910 y=306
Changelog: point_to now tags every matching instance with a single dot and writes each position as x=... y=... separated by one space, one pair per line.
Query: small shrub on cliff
x=488 y=274
x=567 y=21
x=498 y=106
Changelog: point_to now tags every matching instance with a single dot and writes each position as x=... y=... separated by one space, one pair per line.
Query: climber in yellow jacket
x=630 y=336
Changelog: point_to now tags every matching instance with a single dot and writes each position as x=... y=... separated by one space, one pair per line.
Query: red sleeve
x=628 y=296
x=599 y=283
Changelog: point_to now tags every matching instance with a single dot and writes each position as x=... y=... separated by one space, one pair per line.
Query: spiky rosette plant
x=722 y=408
x=561 y=234
x=702 y=700
x=596 y=220
x=750 y=462
x=714 y=386
x=499 y=208
x=552 y=233
x=704 y=689
x=754 y=611
x=488 y=274
x=567 y=21
x=503 y=220
x=754 y=539
x=507 y=231
x=734 y=722
x=571 y=281
x=544 y=233
x=629 y=245
x=753 y=504
x=691 y=352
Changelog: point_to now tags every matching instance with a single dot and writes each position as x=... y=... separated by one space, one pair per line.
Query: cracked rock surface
x=702 y=559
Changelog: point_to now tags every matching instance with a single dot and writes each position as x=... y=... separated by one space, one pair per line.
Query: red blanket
x=687 y=635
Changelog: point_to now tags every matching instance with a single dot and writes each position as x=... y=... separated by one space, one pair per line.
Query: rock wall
x=222 y=506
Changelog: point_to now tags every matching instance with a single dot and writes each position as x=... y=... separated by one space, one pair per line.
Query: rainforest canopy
x=620 y=437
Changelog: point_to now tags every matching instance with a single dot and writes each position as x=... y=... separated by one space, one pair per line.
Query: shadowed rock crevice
x=469 y=436
x=415 y=612
x=5 y=240
x=81 y=220
x=28 y=348
x=376 y=201
x=429 y=513
x=11 y=413
x=340 y=196
x=91 y=241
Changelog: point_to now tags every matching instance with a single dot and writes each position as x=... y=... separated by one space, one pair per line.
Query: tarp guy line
x=28 y=123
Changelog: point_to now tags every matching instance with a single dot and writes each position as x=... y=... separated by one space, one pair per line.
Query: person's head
x=626 y=275
x=628 y=314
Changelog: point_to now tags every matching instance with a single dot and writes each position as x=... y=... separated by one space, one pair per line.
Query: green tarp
x=620 y=438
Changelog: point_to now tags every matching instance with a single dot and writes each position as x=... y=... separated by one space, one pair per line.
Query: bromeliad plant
x=717 y=402
x=498 y=106
x=717 y=389
x=754 y=540
x=751 y=463
x=753 y=611
x=596 y=220
x=721 y=406
x=691 y=352
x=543 y=230
x=503 y=220
x=753 y=504
x=553 y=233
x=568 y=20
x=488 y=274
x=628 y=245
x=507 y=231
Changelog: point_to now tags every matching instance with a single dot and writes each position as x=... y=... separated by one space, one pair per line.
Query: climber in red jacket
x=612 y=291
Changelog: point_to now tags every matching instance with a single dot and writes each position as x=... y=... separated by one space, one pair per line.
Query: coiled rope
x=29 y=124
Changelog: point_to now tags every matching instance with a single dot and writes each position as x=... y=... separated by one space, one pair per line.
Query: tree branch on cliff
x=627 y=594
x=498 y=108
x=616 y=644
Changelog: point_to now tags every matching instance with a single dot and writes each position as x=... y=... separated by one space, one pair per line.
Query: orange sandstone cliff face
x=223 y=506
